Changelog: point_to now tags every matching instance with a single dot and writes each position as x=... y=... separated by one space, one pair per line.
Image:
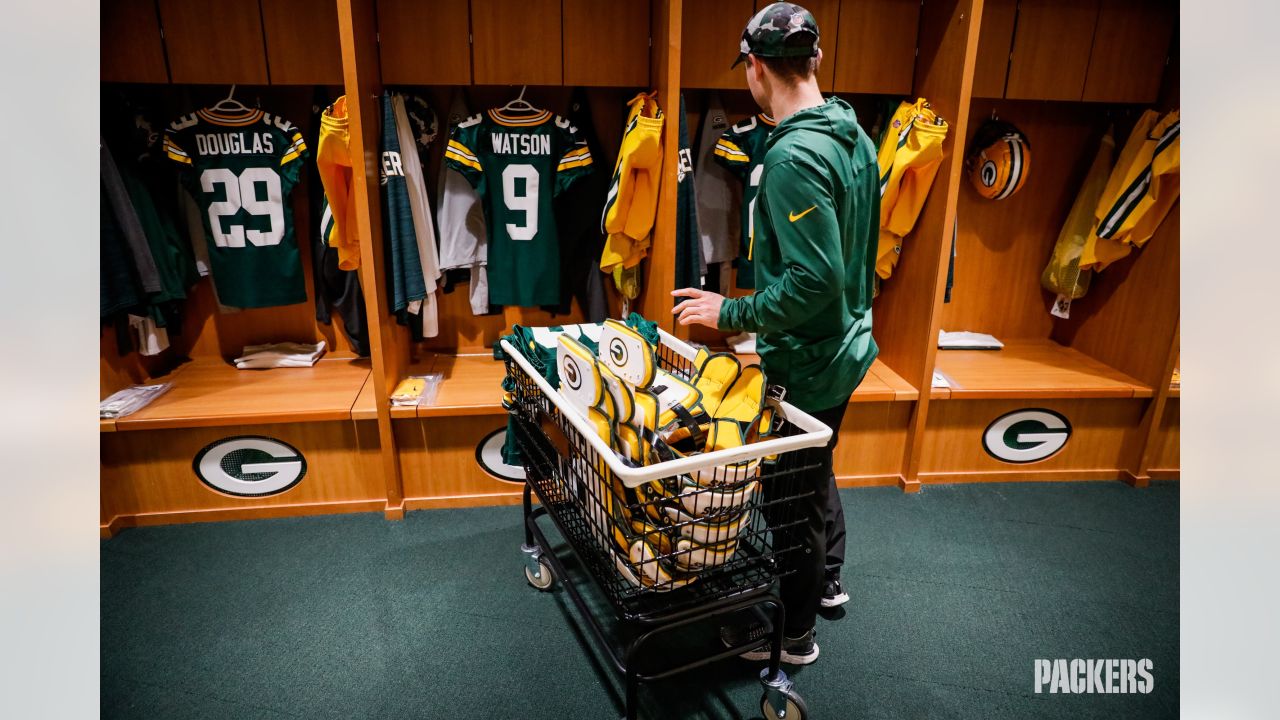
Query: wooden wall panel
x=438 y=461
x=358 y=31
x=1130 y=47
x=710 y=32
x=214 y=42
x=655 y=301
x=1166 y=460
x=1105 y=441
x=1130 y=316
x=872 y=442
x=407 y=59
x=1004 y=245
x=994 y=46
x=132 y=49
x=827 y=14
x=606 y=44
x=877 y=46
x=904 y=310
x=1051 y=49
x=302 y=42
x=517 y=42
x=147 y=477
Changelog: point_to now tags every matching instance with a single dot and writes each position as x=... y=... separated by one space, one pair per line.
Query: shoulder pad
x=746 y=125
x=277 y=121
x=183 y=122
x=473 y=120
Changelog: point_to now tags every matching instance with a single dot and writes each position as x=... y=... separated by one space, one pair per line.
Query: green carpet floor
x=955 y=591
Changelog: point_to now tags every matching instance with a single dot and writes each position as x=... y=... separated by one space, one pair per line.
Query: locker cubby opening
x=198 y=360
x=1119 y=334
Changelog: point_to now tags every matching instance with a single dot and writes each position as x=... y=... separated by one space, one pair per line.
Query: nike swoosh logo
x=794 y=217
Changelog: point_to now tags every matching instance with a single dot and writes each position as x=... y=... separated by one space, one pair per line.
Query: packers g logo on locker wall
x=1026 y=436
x=249 y=466
x=489 y=458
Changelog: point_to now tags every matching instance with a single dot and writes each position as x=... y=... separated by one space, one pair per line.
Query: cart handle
x=816 y=434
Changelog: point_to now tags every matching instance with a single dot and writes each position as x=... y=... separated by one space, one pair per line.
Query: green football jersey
x=240 y=168
x=741 y=150
x=518 y=164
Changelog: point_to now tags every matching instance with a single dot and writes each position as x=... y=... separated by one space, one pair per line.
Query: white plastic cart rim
x=815 y=433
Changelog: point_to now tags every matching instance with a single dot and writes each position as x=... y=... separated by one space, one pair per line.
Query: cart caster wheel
x=541 y=578
x=791 y=705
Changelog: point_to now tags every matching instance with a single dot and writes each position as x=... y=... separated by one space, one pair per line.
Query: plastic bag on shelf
x=130 y=400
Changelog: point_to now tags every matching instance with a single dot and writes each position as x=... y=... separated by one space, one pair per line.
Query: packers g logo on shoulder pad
x=249 y=466
x=618 y=351
x=569 y=371
x=1026 y=436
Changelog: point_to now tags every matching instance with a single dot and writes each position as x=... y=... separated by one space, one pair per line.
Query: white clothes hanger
x=230 y=102
x=519 y=104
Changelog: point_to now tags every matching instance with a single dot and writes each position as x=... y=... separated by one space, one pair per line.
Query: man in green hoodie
x=816 y=221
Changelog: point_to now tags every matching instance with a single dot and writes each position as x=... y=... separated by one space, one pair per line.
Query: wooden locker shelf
x=211 y=393
x=472 y=386
x=1033 y=369
x=881 y=384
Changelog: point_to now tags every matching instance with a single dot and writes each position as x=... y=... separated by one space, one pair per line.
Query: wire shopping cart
x=669 y=545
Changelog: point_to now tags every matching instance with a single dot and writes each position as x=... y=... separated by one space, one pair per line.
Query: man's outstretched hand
x=700 y=307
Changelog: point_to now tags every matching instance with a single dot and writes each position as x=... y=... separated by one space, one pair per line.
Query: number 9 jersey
x=240 y=168
x=518 y=164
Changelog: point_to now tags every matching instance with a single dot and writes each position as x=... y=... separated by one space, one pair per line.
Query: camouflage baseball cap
x=780 y=30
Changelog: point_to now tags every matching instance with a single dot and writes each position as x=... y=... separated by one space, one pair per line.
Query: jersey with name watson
x=240 y=168
x=518 y=164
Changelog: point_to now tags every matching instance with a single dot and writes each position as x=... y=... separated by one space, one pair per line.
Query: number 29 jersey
x=518 y=164
x=240 y=168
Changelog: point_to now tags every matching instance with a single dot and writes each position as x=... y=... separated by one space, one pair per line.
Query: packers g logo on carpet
x=1026 y=436
x=249 y=466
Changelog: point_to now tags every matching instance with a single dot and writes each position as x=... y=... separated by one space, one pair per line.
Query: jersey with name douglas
x=240 y=168
x=518 y=164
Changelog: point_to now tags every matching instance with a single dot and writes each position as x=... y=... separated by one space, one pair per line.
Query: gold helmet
x=1000 y=160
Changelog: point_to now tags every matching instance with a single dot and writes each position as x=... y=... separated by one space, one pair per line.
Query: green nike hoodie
x=817 y=214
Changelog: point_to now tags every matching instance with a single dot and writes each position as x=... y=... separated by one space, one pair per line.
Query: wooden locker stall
x=873 y=448
x=1101 y=370
x=150 y=469
x=544 y=49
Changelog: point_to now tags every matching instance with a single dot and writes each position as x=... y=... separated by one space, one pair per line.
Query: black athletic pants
x=818 y=538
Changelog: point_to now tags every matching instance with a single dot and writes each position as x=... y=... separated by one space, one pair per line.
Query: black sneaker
x=795 y=651
x=735 y=635
x=832 y=594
